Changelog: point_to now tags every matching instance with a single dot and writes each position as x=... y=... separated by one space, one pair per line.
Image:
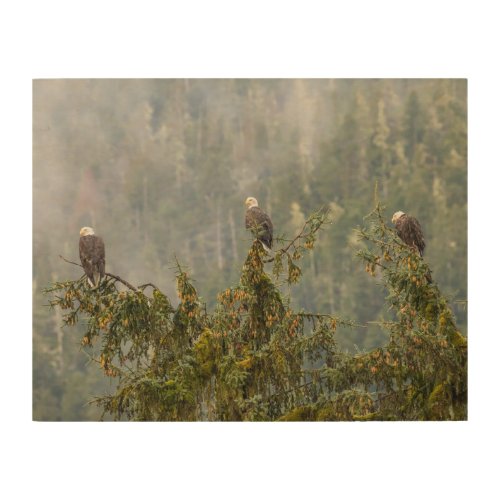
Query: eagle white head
x=251 y=202
x=396 y=216
x=86 y=231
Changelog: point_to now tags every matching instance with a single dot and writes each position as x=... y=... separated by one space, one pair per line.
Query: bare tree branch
x=121 y=280
x=113 y=276
x=69 y=261
x=143 y=287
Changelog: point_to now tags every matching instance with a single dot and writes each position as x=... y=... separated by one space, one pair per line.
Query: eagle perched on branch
x=409 y=230
x=92 y=256
x=259 y=223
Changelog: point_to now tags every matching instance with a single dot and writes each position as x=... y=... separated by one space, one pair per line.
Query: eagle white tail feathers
x=265 y=247
x=96 y=278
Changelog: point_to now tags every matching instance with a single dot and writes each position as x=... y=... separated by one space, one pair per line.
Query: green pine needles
x=256 y=358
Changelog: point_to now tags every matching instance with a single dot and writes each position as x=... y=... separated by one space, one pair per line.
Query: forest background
x=162 y=168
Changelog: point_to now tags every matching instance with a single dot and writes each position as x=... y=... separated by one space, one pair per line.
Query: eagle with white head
x=259 y=223
x=92 y=256
x=409 y=230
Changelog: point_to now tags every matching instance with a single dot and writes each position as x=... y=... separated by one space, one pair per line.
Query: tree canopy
x=254 y=357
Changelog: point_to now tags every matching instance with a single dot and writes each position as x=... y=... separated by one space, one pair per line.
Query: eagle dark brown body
x=92 y=257
x=409 y=230
x=260 y=224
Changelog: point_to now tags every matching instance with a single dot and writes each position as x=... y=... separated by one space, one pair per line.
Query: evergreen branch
x=302 y=234
x=294 y=389
x=340 y=321
x=285 y=250
x=119 y=369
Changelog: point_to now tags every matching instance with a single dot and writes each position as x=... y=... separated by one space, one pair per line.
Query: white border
x=249 y=39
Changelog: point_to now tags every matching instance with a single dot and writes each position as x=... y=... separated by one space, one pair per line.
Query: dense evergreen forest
x=161 y=170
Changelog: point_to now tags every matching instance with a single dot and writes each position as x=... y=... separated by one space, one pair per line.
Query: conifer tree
x=422 y=372
x=242 y=362
x=256 y=358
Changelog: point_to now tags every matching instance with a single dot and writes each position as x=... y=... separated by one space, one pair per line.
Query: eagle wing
x=92 y=257
x=409 y=230
x=260 y=224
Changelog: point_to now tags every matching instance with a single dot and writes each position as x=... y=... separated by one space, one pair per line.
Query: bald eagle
x=409 y=230
x=92 y=256
x=259 y=223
